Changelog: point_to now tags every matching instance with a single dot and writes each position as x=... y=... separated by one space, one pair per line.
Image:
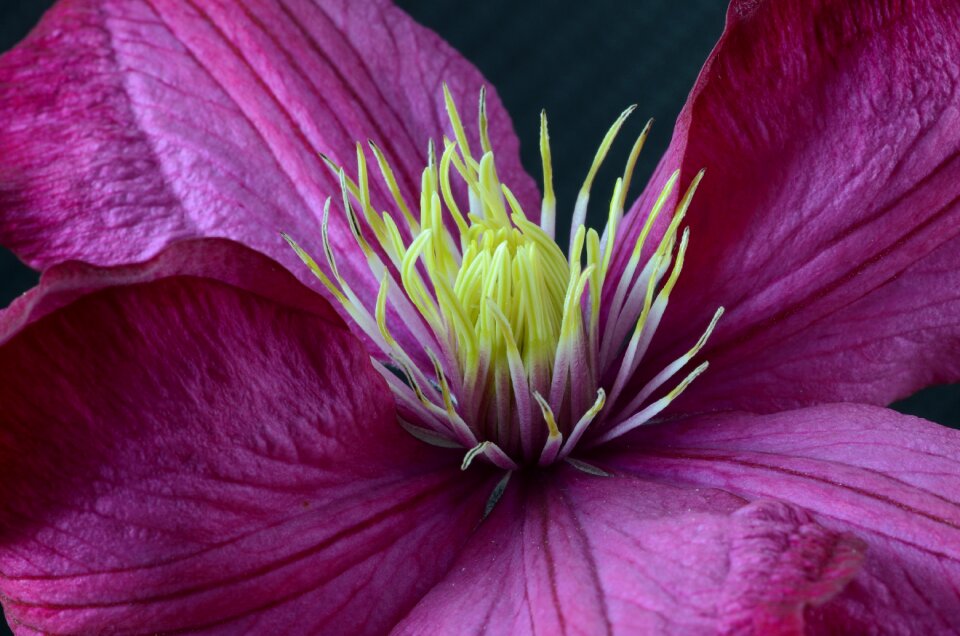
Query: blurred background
x=583 y=62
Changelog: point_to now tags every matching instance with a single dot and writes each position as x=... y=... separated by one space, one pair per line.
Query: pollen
x=488 y=333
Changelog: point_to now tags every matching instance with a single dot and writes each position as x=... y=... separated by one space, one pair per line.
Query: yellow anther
x=413 y=283
x=605 y=148
x=363 y=182
x=315 y=269
x=632 y=161
x=548 y=209
x=654 y=213
x=483 y=283
x=516 y=212
x=596 y=279
x=659 y=259
x=547 y=415
x=613 y=224
x=484 y=124
x=448 y=400
x=469 y=176
x=571 y=315
x=580 y=208
x=393 y=241
x=458 y=131
x=391 y=180
x=327 y=250
x=449 y=152
x=585 y=420
x=381 y=310
x=490 y=191
x=352 y=219
x=677 y=265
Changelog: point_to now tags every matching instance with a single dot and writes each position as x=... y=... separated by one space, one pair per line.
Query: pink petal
x=581 y=554
x=125 y=125
x=218 y=259
x=890 y=479
x=829 y=131
x=184 y=453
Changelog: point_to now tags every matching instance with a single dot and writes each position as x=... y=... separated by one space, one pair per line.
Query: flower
x=194 y=440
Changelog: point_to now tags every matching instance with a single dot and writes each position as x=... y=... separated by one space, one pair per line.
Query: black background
x=582 y=61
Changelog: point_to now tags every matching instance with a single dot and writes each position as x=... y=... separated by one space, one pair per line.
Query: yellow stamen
x=483 y=292
x=391 y=180
x=548 y=209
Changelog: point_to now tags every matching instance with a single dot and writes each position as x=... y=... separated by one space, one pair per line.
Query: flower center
x=502 y=352
x=509 y=285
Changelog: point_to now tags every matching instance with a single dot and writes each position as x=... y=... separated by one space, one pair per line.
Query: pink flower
x=195 y=440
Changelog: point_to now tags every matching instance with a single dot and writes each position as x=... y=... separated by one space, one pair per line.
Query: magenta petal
x=209 y=458
x=580 y=554
x=829 y=132
x=217 y=259
x=126 y=125
x=890 y=479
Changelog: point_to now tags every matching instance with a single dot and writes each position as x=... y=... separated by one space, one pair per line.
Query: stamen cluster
x=511 y=363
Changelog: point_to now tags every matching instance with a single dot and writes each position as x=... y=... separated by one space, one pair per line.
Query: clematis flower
x=427 y=417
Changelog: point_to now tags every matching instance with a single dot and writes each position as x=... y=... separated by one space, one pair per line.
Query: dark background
x=582 y=61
